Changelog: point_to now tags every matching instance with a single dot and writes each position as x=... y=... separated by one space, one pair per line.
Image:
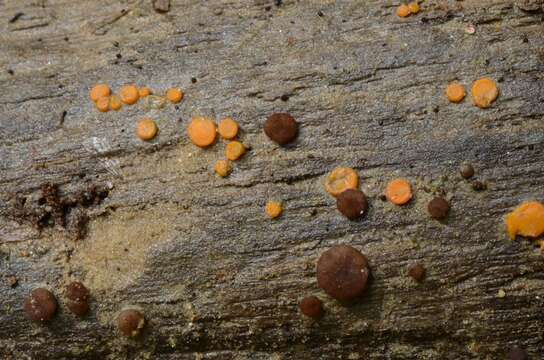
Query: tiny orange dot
x=222 y=168
x=403 y=10
x=455 y=92
x=144 y=91
x=202 y=131
x=228 y=128
x=398 y=191
x=103 y=104
x=414 y=7
x=146 y=129
x=484 y=92
x=174 y=95
x=273 y=209
x=129 y=94
x=235 y=150
x=115 y=102
x=99 y=91
x=340 y=180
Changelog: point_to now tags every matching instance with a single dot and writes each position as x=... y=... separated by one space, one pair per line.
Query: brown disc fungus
x=40 y=305
x=103 y=104
x=517 y=354
x=78 y=296
x=526 y=220
x=273 y=209
x=174 y=95
x=438 y=208
x=235 y=150
x=478 y=185
x=129 y=94
x=130 y=322
x=222 y=168
x=202 y=131
x=398 y=191
x=115 y=102
x=228 y=128
x=352 y=203
x=144 y=91
x=413 y=7
x=484 y=92
x=417 y=272
x=403 y=10
x=467 y=171
x=281 y=128
x=100 y=91
x=146 y=129
x=455 y=92
x=340 y=180
x=343 y=272
x=311 y=306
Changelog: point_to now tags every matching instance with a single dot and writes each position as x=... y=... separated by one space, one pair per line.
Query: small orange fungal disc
x=235 y=150
x=414 y=7
x=146 y=129
x=484 y=92
x=403 y=10
x=144 y=91
x=202 y=131
x=222 y=168
x=398 y=191
x=99 y=91
x=228 y=128
x=273 y=209
x=103 y=104
x=129 y=94
x=174 y=95
x=340 y=180
x=115 y=102
x=455 y=92
x=526 y=220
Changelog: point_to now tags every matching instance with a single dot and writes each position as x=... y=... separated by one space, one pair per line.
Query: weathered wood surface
x=214 y=277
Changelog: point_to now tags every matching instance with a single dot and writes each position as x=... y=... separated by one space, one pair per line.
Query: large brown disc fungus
x=343 y=272
x=281 y=128
x=130 y=322
x=40 y=305
x=311 y=306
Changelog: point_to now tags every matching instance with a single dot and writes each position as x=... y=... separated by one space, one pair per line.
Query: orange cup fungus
x=340 y=180
x=146 y=129
x=273 y=209
x=115 y=102
x=99 y=91
x=413 y=7
x=235 y=150
x=103 y=104
x=403 y=10
x=129 y=94
x=526 y=220
x=222 y=168
x=455 y=92
x=398 y=191
x=144 y=91
x=228 y=128
x=202 y=131
x=484 y=92
x=174 y=95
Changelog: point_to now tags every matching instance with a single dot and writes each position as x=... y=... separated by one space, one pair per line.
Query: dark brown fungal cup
x=438 y=208
x=417 y=272
x=311 y=306
x=281 y=128
x=467 y=171
x=40 y=305
x=130 y=322
x=79 y=308
x=478 y=185
x=76 y=291
x=517 y=354
x=342 y=272
x=352 y=203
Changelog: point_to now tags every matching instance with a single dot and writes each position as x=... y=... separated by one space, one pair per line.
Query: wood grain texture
x=214 y=276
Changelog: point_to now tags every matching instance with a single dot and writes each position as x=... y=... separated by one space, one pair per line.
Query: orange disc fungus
x=403 y=10
x=455 y=92
x=146 y=129
x=202 y=131
x=222 y=168
x=273 y=209
x=115 y=102
x=99 y=91
x=174 y=95
x=414 y=7
x=398 y=191
x=526 y=220
x=129 y=94
x=340 y=180
x=484 y=92
x=235 y=150
x=103 y=104
x=144 y=91
x=228 y=128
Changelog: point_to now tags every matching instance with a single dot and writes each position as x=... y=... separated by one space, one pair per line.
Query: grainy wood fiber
x=215 y=278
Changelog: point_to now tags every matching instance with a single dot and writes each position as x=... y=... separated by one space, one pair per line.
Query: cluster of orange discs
x=405 y=10
x=484 y=92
